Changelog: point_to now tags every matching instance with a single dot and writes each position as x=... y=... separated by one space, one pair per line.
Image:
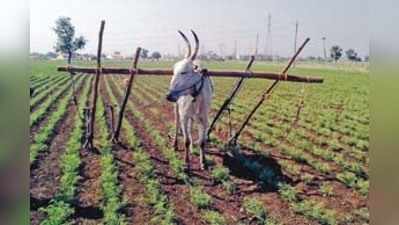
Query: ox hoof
x=187 y=169
x=203 y=166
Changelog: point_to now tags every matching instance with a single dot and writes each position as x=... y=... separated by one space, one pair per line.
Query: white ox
x=192 y=92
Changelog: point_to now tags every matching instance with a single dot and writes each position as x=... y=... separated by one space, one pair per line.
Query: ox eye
x=182 y=73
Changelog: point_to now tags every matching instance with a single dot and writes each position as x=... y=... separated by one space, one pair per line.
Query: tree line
x=68 y=44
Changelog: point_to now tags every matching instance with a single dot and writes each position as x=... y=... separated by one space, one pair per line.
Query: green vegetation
x=60 y=209
x=255 y=208
x=42 y=138
x=213 y=218
x=41 y=113
x=330 y=139
x=109 y=176
x=154 y=196
x=57 y=213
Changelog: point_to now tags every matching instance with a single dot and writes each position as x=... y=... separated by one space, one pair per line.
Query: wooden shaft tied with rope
x=267 y=93
x=211 y=73
x=229 y=99
x=89 y=142
x=133 y=71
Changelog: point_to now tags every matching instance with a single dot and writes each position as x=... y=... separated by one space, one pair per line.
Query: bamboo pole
x=229 y=99
x=267 y=93
x=115 y=138
x=213 y=73
x=89 y=142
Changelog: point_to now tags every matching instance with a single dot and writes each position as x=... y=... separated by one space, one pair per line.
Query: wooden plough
x=90 y=113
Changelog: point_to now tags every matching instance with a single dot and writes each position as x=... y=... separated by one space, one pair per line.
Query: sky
x=153 y=24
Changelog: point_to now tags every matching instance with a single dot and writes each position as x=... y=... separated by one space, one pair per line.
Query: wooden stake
x=111 y=112
x=267 y=93
x=89 y=142
x=229 y=99
x=133 y=71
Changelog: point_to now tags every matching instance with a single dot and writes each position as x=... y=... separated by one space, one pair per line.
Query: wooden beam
x=213 y=73
x=229 y=99
x=115 y=138
x=266 y=94
x=89 y=142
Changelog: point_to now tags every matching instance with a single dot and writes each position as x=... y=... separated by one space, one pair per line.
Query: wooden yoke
x=89 y=141
x=212 y=73
x=133 y=71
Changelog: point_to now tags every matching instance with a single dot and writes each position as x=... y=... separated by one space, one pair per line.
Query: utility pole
x=238 y=52
x=221 y=50
x=296 y=35
x=235 y=50
x=324 y=48
x=296 y=39
x=269 y=45
x=203 y=53
x=256 y=45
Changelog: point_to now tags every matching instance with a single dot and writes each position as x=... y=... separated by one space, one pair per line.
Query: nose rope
x=196 y=91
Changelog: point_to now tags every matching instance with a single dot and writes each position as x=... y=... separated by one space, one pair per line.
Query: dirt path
x=89 y=195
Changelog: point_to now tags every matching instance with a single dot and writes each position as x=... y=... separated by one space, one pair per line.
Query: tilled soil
x=36 y=128
x=135 y=209
x=275 y=205
x=177 y=192
x=45 y=171
x=89 y=194
x=37 y=104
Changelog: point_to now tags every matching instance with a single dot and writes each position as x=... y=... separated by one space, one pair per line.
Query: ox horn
x=196 y=45
x=187 y=42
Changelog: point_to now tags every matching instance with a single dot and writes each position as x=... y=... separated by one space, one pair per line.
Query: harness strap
x=196 y=92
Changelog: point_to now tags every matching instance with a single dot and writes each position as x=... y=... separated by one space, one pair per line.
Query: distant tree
x=311 y=58
x=144 y=53
x=156 y=55
x=66 y=41
x=351 y=54
x=336 y=52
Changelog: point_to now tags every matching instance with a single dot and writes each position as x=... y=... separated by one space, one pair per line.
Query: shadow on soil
x=262 y=170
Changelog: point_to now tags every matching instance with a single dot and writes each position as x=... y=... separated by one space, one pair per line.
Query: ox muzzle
x=172 y=96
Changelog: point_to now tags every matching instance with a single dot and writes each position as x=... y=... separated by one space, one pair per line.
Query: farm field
x=305 y=169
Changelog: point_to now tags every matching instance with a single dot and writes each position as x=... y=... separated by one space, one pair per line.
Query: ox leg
x=176 y=143
x=187 y=141
x=202 y=132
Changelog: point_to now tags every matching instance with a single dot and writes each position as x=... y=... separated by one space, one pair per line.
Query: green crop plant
x=348 y=178
x=220 y=174
x=200 y=198
x=57 y=212
x=315 y=210
x=288 y=192
x=255 y=208
x=213 y=218
x=154 y=196
x=326 y=190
